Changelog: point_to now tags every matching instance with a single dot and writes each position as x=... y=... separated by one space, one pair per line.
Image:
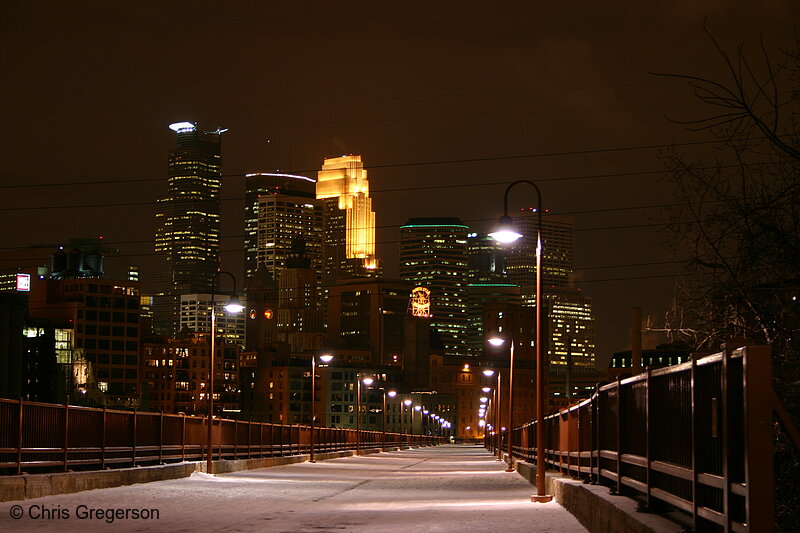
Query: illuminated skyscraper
x=187 y=224
x=569 y=312
x=487 y=285
x=433 y=254
x=557 y=250
x=348 y=220
x=278 y=208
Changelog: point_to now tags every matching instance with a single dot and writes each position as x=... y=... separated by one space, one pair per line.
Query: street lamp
x=505 y=234
x=367 y=382
x=390 y=394
x=325 y=358
x=498 y=341
x=496 y=415
x=407 y=404
x=233 y=306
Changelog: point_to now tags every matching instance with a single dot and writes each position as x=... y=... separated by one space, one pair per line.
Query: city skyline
x=530 y=97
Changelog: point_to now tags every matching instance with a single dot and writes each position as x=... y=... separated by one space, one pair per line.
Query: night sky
x=446 y=102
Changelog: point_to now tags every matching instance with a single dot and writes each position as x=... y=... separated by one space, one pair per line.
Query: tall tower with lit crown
x=187 y=224
x=348 y=219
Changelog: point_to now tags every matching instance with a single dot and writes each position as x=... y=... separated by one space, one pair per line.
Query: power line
x=416 y=164
x=341 y=100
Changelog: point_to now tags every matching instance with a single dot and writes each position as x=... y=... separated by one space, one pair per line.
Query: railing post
x=103 y=440
x=133 y=443
x=758 y=462
x=235 y=439
x=596 y=400
x=695 y=446
x=183 y=438
x=648 y=434
x=619 y=436
x=66 y=435
x=725 y=433
x=19 y=439
x=161 y=438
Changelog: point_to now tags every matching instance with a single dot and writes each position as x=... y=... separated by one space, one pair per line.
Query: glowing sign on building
x=24 y=282
x=420 y=302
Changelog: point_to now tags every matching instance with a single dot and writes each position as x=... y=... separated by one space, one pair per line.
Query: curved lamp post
x=390 y=394
x=496 y=420
x=367 y=382
x=407 y=404
x=325 y=358
x=233 y=306
x=506 y=234
x=499 y=341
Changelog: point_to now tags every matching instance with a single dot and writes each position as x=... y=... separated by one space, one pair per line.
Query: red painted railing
x=36 y=436
x=695 y=437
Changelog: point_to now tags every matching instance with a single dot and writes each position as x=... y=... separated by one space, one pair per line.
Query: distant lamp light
x=484 y=399
x=497 y=341
x=505 y=231
x=327 y=358
x=391 y=394
x=425 y=412
x=486 y=389
x=481 y=423
x=367 y=381
x=488 y=373
x=407 y=402
x=418 y=408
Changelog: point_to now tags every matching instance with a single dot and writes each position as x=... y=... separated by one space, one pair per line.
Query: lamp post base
x=542 y=499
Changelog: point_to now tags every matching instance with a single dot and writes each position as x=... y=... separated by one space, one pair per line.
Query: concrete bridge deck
x=449 y=488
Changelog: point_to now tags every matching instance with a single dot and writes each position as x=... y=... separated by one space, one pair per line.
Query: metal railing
x=36 y=436
x=695 y=436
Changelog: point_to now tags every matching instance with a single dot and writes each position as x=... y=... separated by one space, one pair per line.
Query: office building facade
x=187 y=224
x=433 y=254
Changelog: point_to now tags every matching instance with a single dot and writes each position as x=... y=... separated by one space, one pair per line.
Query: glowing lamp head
x=367 y=381
x=425 y=412
x=234 y=305
x=326 y=358
x=484 y=399
x=391 y=394
x=407 y=402
x=486 y=389
x=505 y=231
x=488 y=373
x=418 y=408
x=497 y=341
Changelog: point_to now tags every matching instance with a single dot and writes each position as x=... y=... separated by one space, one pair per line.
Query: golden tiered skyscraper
x=348 y=219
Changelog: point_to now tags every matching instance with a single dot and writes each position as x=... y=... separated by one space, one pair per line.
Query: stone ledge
x=596 y=508
x=28 y=486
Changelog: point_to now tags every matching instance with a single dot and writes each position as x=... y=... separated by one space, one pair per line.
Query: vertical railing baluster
x=133 y=440
x=695 y=445
x=648 y=433
x=103 y=439
x=66 y=436
x=19 y=438
x=619 y=436
x=725 y=435
x=161 y=438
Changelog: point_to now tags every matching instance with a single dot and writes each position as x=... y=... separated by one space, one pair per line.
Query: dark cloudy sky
x=431 y=94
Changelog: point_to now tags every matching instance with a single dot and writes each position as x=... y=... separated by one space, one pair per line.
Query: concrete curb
x=28 y=486
x=598 y=510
